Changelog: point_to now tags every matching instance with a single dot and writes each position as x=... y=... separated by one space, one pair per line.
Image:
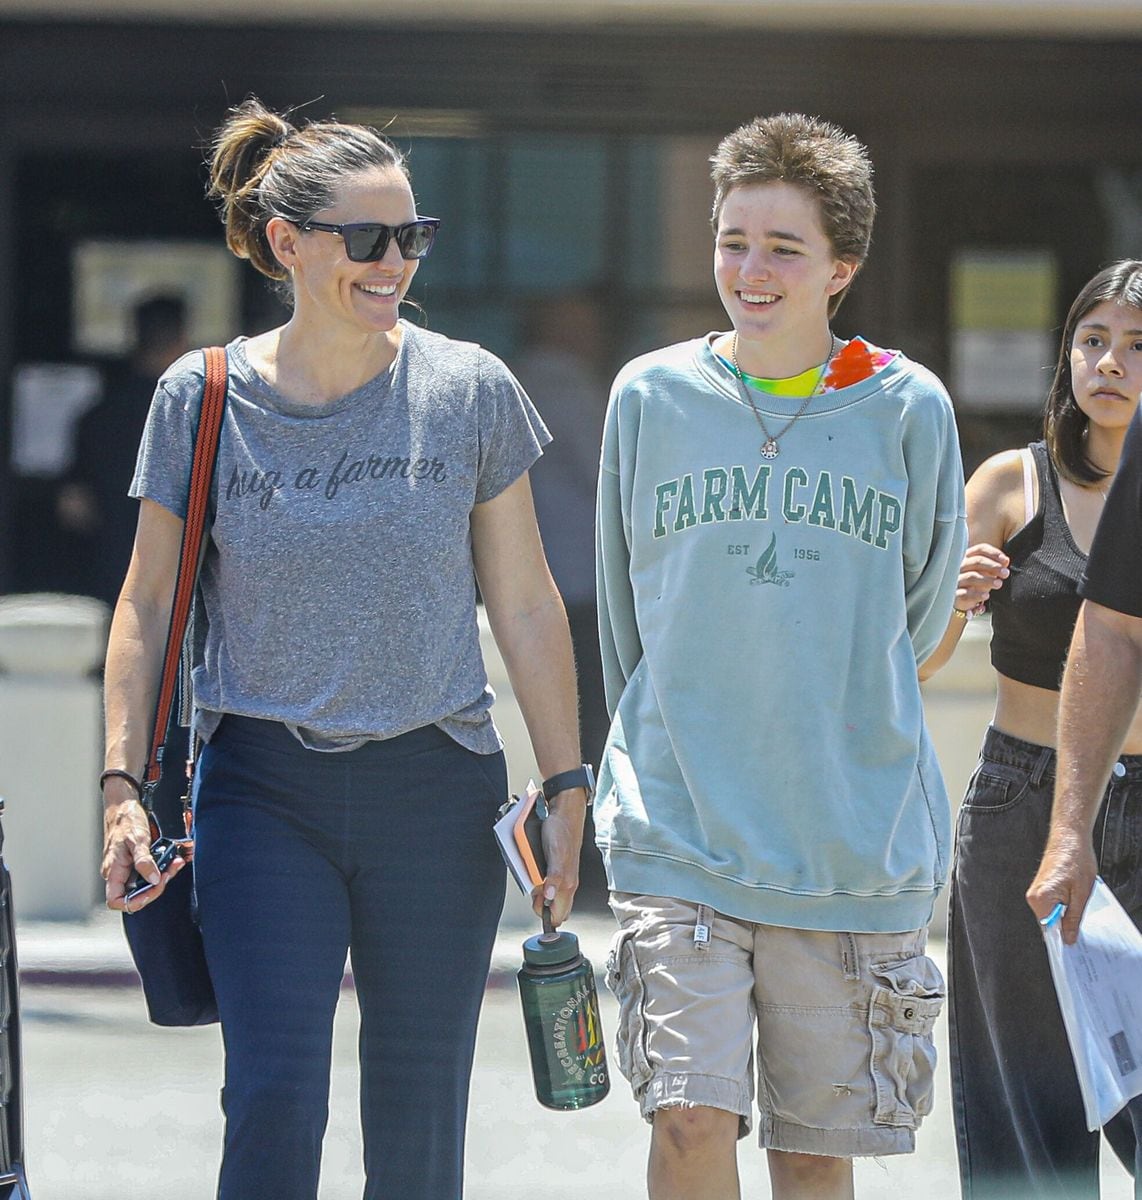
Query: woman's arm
x=994 y=497
x=530 y=627
x=134 y=663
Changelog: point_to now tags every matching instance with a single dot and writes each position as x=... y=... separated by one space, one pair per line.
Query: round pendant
x=769 y=450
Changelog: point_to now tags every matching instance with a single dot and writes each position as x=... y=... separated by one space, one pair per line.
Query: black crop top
x=1033 y=614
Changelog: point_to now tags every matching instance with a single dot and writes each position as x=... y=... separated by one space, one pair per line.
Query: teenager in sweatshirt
x=781 y=523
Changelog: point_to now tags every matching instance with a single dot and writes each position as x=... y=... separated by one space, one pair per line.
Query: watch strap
x=580 y=777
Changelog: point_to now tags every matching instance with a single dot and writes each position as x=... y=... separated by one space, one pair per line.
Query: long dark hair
x=1064 y=423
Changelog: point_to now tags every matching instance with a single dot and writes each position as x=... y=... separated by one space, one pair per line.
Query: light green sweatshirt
x=761 y=623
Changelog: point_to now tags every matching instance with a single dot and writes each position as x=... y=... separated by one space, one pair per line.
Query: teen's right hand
x=984 y=569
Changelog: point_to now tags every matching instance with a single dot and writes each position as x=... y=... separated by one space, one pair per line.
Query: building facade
x=565 y=149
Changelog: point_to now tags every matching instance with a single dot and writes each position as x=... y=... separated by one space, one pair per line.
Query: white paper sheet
x=1099 y=984
x=504 y=830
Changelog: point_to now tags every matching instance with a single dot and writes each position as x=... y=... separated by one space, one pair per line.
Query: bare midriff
x=1031 y=713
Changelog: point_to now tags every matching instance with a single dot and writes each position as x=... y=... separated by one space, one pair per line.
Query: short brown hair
x=830 y=165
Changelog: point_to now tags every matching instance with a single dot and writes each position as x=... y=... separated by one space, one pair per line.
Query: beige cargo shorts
x=845 y=1055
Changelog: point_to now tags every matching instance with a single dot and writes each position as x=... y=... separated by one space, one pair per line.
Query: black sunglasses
x=367 y=241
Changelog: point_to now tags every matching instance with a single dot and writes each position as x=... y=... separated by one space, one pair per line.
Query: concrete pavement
x=117 y=1107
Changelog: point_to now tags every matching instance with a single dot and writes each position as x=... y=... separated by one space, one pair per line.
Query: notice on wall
x=112 y=276
x=47 y=401
x=1003 y=310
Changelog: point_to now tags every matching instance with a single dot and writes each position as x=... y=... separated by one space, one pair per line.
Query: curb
x=93 y=953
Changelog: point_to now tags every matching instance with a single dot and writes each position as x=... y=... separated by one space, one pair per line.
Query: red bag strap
x=198 y=496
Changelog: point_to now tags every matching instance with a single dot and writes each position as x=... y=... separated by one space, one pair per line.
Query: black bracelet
x=118 y=773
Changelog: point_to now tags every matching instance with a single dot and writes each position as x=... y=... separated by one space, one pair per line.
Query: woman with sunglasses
x=369 y=473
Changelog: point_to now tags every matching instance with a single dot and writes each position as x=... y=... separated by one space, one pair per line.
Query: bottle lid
x=547 y=949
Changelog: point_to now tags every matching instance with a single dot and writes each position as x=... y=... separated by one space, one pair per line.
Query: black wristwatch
x=580 y=777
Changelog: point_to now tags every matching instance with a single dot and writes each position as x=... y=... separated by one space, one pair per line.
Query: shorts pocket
x=624 y=978
x=905 y=1002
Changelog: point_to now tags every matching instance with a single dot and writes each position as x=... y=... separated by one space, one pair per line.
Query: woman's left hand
x=562 y=834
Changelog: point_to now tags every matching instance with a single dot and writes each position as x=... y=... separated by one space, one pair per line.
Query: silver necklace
x=769 y=448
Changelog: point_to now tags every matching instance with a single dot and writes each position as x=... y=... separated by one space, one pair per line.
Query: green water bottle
x=561 y=1016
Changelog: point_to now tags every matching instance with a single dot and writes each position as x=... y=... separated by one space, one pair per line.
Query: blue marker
x=1053 y=916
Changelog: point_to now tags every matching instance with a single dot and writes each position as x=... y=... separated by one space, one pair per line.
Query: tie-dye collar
x=856 y=361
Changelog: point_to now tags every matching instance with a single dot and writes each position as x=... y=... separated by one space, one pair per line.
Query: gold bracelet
x=959 y=612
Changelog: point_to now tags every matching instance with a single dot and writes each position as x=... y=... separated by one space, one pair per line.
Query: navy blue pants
x=385 y=852
x=1020 y=1127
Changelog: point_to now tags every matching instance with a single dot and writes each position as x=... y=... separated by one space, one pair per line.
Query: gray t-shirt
x=337 y=591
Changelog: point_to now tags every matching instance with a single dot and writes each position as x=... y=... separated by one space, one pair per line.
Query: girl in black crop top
x=1019 y=1117
x=1033 y=613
